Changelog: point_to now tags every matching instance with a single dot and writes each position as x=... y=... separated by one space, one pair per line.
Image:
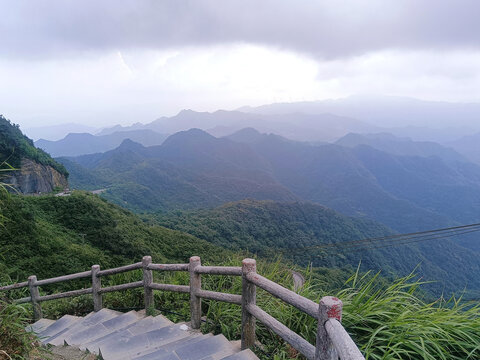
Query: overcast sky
x=101 y=62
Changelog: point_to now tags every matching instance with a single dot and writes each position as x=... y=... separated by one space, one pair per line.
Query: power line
x=396 y=240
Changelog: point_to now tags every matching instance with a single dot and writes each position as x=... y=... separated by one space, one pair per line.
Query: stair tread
x=153 y=354
x=39 y=325
x=87 y=335
x=208 y=347
x=88 y=321
x=128 y=345
x=58 y=326
x=144 y=325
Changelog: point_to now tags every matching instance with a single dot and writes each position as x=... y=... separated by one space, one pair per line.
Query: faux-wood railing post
x=147 y=281
x=249 y=296
x=35 y=294
x=96 y=286
x=329 y=308
x=195 y=285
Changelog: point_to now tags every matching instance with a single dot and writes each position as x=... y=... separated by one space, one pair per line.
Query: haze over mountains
x=297 y=126
x=386 y=111
x=325 y=120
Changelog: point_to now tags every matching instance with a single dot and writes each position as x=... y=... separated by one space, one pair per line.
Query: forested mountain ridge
x=51 y=236
x=299 y=231
x=407 y=193
x=35 y=170
x=191 y=169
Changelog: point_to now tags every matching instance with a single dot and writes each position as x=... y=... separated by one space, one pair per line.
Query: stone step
x=39 y=326
x=129 y=346
x=242 y=355
x=153 y=354
x=104 y=328
x=212 y=348
x=141 y=326
x=59 y=326
x=88 y=321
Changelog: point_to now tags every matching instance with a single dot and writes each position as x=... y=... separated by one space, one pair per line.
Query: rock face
x=35 y=178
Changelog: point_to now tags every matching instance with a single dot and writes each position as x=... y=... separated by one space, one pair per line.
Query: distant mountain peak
x=78 y=135
x=246 y=135
x=128 y=144
x=188 y=135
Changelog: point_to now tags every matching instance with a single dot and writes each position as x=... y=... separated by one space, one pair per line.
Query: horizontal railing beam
x=290 y=297
x=168 y=267
x=219 y=270
x=65 y=294
x=343 y=343
x=120 y=269
x=133 y=285
x=291 y=337
x=14 y=286
x=58 y=279
x=23 y=300
x=212 y=295
x=170 y=287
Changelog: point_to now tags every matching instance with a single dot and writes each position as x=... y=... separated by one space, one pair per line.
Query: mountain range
x=298 y=126
x=192 y=169
x=85 y=143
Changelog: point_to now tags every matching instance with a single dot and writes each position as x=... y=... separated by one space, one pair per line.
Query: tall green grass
x=15 y=342
x=393 y=322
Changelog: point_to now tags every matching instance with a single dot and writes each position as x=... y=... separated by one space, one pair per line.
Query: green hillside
x=294 y=229
x=50 y=236
x=14 y=146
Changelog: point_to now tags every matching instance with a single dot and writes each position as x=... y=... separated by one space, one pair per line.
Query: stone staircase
x=132 y=335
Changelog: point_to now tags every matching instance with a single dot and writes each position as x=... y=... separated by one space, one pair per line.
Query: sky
x=124 y=61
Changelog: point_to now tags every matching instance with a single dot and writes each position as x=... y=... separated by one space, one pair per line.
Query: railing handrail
x=332 y=339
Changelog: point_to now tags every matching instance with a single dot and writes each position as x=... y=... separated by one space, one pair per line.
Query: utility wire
x=406 y=239
x=396 y=240
x=405 y=242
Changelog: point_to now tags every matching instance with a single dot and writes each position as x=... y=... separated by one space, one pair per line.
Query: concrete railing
x=332 y=341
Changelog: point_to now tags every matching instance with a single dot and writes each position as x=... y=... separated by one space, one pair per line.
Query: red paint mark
x=335 y=299
x=335 y=312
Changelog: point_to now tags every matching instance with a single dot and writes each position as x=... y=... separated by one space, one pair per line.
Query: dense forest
x=50 y=236
x=311 y=234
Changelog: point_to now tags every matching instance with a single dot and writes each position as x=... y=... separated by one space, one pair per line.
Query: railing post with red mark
x=195 y=286
x=249 y=294
x=329 y=308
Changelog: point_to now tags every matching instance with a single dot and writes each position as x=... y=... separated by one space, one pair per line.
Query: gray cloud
x=328 y=29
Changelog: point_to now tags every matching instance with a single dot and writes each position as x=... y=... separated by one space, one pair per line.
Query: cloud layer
x=326 y=29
